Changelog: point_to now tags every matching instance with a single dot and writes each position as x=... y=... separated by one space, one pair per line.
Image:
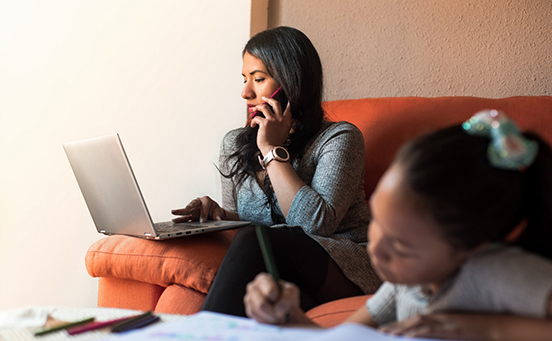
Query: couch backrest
x=387 y=123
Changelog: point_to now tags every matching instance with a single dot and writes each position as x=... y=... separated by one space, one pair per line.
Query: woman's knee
x=244 y=250
x=246 y=236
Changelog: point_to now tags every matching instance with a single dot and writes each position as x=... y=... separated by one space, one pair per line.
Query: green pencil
x=47 y=330
x=266 y=250
x=270 y=263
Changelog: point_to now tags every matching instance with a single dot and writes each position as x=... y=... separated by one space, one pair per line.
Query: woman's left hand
x=274 y=128
x=444 y=326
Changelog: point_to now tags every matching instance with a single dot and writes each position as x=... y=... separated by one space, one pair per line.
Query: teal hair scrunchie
x=508 y=149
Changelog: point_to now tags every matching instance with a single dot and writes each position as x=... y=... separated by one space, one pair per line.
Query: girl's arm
x=475 y=327
x=362 y=316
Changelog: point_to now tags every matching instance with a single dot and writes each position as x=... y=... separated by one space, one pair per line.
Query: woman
x=295 y=172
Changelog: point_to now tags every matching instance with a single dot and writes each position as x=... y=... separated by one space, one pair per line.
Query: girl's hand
x=274 y=128
x=264 y=303
x=445 y=326
x=199 y=209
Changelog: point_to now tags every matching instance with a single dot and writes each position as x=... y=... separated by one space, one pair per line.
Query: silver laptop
x=113 y=197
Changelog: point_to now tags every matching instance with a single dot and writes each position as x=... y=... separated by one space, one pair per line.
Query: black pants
x=299 y=259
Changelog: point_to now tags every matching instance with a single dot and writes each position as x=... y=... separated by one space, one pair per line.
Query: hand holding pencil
x=269 y=299
x=265 y=303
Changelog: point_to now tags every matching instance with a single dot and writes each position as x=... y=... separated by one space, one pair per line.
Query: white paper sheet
x=208 y=326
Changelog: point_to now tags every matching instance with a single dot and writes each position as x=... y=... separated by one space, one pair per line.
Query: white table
x=75 y=314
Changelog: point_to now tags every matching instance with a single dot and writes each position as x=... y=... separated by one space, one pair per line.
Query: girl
x=295 y=172
x=440 y=217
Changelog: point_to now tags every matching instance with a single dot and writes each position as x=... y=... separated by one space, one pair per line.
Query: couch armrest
x=189 y=261
x=335 y=312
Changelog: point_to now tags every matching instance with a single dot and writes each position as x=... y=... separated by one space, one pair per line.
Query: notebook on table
x=113 y=196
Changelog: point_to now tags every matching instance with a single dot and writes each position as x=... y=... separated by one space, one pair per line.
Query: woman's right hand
x=199 y=209
x=266 y=304
x=274 y=127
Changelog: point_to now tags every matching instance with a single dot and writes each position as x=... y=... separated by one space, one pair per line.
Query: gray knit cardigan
x=330 y=208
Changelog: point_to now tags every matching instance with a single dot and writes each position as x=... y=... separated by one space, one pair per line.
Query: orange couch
x=174 y=276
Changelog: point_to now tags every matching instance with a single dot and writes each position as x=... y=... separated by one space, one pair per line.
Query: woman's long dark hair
x=474 y=201
x=292 y=61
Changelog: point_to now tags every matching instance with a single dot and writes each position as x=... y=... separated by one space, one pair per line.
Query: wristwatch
x=278 y=154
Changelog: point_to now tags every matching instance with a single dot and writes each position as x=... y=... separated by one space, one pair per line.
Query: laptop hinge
x=147 y=234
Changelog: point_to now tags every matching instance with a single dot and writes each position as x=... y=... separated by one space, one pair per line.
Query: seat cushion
x=333 y=313
x=189 y=261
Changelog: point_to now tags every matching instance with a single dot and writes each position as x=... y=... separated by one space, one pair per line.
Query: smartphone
x=278 y=95
x=281 y=97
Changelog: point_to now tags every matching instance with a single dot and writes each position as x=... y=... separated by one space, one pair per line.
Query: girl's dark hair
x=292 y=61
x=474 y=201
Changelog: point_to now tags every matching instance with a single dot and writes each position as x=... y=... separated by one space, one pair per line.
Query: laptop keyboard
x=169 y=226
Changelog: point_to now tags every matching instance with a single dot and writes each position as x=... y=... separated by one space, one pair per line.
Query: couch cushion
x=190 y=261
x=333 y=313
x=128 y=294
x=177 y=299
x=387 y=123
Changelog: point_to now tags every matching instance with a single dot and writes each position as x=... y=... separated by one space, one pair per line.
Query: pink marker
x=95 y=325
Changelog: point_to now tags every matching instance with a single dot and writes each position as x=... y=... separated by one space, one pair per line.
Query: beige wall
x=374 y=48
x=165 y=74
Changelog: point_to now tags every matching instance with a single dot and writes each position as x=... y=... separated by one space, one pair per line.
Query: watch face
x=281 y=153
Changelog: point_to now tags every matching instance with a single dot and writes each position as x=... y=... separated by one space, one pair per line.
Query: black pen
x=134 y=322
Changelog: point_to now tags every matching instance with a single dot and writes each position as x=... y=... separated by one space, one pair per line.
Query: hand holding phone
x=278 y=95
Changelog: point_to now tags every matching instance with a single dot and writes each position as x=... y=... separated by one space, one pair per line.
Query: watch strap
x=272 y=155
